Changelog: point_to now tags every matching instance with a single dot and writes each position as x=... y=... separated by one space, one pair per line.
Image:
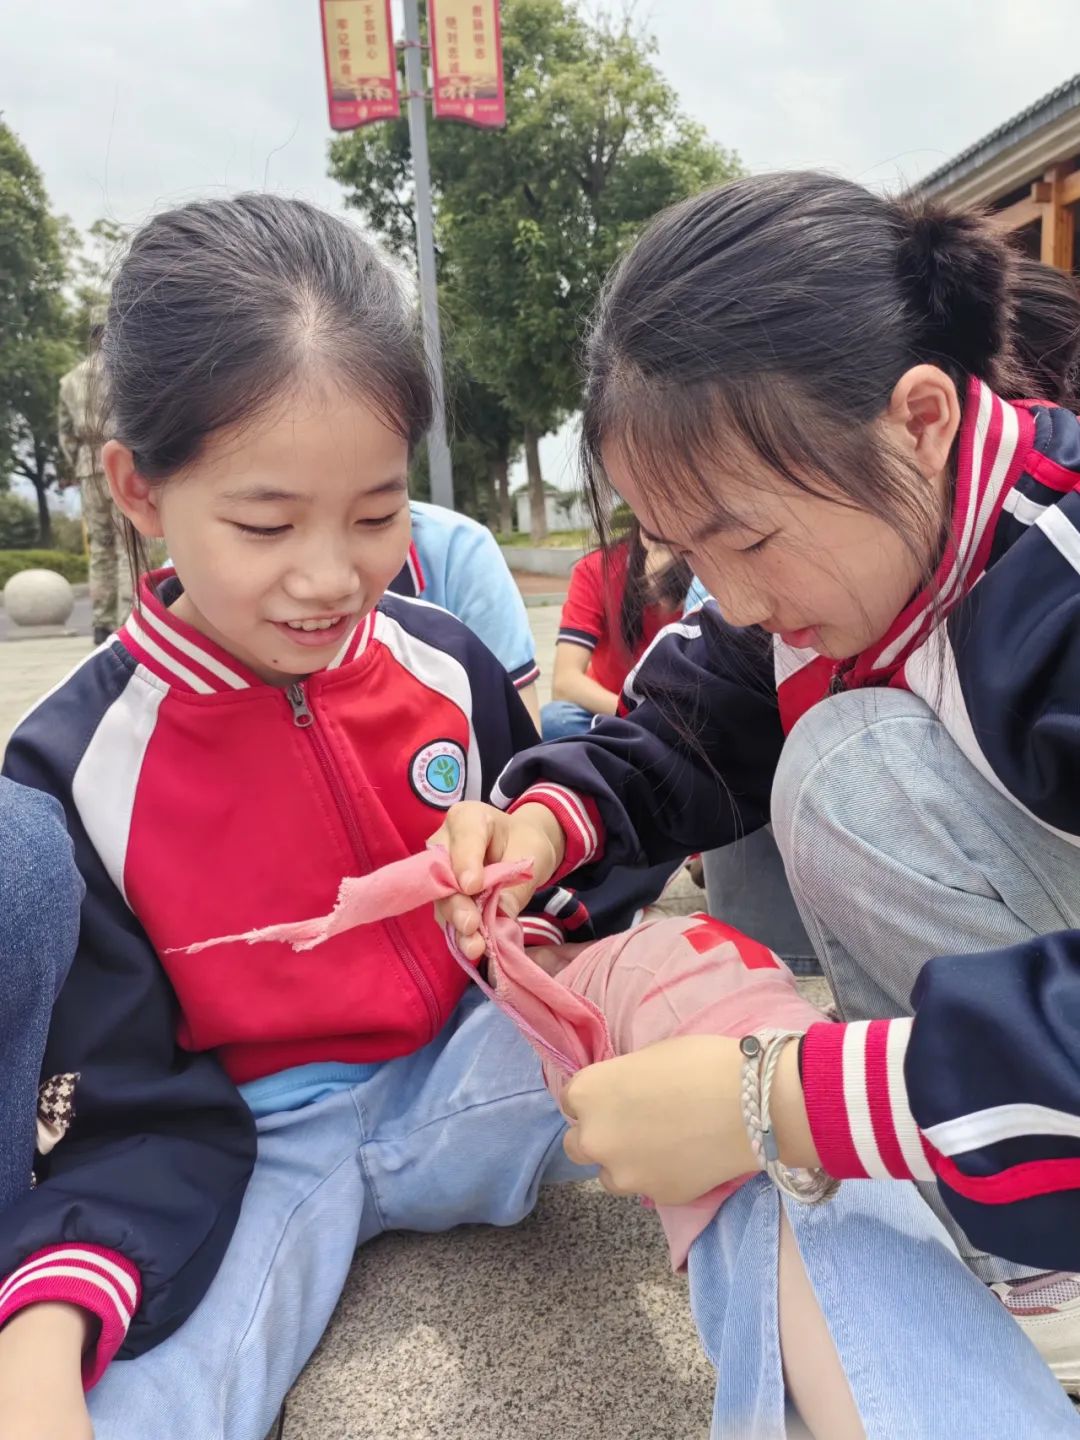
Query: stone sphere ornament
x=38 y=597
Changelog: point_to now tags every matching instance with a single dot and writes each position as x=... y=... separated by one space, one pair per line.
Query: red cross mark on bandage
x=709 y=933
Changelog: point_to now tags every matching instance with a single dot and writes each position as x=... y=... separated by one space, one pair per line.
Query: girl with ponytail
x=851 y=417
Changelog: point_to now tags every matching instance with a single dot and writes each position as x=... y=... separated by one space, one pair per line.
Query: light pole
x=442 y=480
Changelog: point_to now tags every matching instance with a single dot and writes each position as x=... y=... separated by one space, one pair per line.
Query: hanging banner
x=361 y=63
x=466 y=58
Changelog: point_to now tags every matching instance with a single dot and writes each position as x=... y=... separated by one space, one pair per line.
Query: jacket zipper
x=838 y=683
x=304 y=719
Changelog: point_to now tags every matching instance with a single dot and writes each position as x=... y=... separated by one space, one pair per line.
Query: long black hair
x=1047 y=332
x=665 y=588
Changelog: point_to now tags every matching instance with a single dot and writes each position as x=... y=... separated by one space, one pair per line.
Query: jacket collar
x=995 y=440
x=995 y=443
x=410 y=579
x=185 y=659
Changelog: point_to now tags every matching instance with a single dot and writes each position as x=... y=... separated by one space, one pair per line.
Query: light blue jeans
x=40 y=895
x=898 y=850
x=746 y=887
x=464 y=1132
x=559 y=718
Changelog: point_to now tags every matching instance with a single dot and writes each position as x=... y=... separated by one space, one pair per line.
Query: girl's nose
x=327 y=575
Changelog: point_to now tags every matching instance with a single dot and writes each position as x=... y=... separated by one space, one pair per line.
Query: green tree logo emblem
x=444 y=774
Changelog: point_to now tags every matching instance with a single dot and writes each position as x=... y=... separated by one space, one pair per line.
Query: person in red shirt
x=618 y=602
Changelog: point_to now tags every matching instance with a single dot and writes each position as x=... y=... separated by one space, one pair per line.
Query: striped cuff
x=578 y=818
x=89 y=1276
x=857 y=1104
x=578 y=637
x=539 y=930
x=524 y=675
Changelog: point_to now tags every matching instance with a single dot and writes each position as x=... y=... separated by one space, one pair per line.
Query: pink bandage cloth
x=578 y=1004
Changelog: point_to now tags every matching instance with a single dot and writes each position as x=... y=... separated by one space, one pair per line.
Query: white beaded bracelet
x=761 y=1055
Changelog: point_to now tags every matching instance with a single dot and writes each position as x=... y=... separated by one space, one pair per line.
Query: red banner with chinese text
x=466 y=58
x=361 y=63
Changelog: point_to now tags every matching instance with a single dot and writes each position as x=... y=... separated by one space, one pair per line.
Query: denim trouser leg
x=40 y=895
x=898 y=850
x=928 y=1351
x=559 y=718
x=747 y=888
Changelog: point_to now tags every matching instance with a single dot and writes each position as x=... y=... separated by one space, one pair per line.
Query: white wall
x=575 y=517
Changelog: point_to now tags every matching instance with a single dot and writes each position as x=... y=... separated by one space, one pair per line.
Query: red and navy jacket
x=202 y=801
x=982 y=1090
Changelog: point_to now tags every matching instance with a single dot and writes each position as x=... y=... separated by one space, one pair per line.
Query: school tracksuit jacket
x=981 y=1090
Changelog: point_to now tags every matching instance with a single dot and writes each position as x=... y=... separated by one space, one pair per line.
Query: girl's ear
x=133 y=495
x=924 y=416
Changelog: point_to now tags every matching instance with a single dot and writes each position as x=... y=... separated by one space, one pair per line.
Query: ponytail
x=985 y=310
x=958 y=276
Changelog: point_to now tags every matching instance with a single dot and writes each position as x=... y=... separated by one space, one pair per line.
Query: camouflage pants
x=110 y=577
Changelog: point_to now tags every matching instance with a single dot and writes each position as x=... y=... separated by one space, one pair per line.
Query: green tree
x=483 y=446
x=485 y=442
x=18 y=523
x=68 y=533
x=529 y=219
x=35 y=325
x=92 y=260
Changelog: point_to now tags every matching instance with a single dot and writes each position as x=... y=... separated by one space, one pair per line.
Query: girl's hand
x=41 y=1394
x=666 y=1122
x=477 y=835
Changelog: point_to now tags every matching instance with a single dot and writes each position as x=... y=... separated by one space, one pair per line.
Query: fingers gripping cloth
x=579 y=1004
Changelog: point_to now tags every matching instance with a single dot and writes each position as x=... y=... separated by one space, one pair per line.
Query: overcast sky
x=129 y=106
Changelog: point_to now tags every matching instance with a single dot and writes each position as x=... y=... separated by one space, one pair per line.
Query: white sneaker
x=1047 y=1309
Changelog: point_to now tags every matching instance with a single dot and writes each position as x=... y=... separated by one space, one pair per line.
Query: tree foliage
x=18 y=523
x=92 y=261
x=36 y=344
x=530 y=219
x=53 y=281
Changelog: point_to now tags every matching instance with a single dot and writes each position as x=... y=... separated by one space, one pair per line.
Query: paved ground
x=28 y=668
x=79 y=623
x=571 y=1325
x=541 y=586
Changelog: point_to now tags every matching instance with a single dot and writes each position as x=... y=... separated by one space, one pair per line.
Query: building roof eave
x=1014 y=153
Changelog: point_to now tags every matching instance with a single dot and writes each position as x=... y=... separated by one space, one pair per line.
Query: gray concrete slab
x=29 y=668
x=571 y=1325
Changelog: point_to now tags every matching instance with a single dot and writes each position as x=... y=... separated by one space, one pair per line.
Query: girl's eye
x=262 y=532
x=757 y=546
x=381 y=523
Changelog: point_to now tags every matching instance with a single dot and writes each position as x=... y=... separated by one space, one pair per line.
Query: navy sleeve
x=689 y=766
x=1015 y=643
x=155 y=1165
x=993 y=1080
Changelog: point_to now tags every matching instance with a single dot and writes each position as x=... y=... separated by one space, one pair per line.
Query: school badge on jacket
x=437 y=773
